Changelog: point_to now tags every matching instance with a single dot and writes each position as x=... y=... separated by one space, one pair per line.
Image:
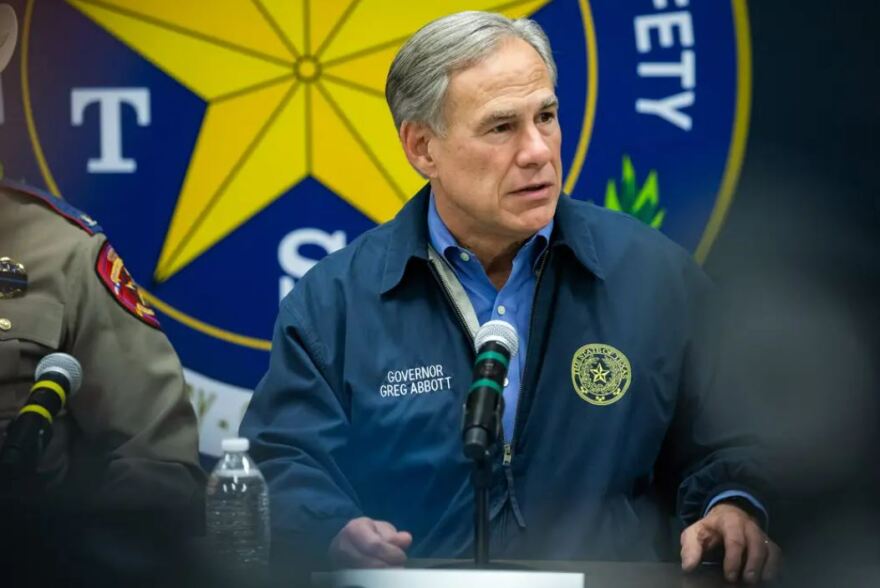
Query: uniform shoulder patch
x=122 y=286
x=62 y=207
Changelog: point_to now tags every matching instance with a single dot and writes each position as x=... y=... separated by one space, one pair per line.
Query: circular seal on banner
x=227 y=153
x=600 y=374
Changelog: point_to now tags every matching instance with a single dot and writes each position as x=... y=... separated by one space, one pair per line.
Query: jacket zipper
x=509 y=445
x=508 y=454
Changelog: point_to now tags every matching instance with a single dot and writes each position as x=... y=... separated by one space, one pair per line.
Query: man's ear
x=416 y=140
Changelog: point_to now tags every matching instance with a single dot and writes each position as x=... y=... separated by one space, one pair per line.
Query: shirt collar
x=443 y=240
x=410 y=236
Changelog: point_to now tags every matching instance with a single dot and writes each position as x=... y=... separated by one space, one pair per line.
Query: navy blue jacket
x=360 y=411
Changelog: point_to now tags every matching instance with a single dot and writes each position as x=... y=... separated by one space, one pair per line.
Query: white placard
x=448 y=579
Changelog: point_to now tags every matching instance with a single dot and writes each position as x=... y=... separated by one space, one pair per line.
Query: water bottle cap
x=235 y=444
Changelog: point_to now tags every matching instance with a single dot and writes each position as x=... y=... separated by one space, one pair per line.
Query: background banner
x=226 y=146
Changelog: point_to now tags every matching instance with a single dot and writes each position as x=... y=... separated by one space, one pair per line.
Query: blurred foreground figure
x=122 y=464
x=610 y=426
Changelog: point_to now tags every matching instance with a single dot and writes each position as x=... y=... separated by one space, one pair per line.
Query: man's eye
x=547 y=116
x=502 y=128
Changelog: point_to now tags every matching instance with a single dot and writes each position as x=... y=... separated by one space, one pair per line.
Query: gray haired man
x=363 y=455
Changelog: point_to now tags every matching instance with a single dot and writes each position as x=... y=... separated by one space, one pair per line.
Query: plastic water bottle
x=237 y=505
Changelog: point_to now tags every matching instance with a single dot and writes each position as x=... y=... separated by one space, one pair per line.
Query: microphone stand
x=24 y=541
x=481 y=478
x=495 y=343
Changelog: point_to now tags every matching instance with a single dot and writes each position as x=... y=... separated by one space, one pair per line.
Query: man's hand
x=365 y=543
x=746 y=549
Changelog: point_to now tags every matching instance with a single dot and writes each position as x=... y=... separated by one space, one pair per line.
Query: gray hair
x=419 y=75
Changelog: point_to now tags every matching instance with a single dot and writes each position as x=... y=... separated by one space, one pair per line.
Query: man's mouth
x=534 y=188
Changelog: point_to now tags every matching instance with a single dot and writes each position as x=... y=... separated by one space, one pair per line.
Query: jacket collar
x=574 y=230
x=409 y=236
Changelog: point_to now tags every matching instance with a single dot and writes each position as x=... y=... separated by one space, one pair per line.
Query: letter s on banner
x=294 y=263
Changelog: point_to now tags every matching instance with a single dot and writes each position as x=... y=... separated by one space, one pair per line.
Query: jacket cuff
x=742 y=499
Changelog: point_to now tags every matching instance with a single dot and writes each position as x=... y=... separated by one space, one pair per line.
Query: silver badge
x=13 y=279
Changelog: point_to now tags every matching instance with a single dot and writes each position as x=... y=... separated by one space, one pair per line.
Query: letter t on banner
x=110 y=101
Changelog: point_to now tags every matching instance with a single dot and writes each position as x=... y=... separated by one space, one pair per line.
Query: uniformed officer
x=128 y=439
x=126 y=446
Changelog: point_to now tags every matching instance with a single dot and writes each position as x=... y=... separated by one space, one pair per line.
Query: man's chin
x=535 y=217
x=529 y=226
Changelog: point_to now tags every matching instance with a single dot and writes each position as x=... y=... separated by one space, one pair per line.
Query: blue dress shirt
x=513 y=303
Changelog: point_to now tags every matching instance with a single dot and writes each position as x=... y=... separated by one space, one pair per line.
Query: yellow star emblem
x=600 y=374
x=294 y=88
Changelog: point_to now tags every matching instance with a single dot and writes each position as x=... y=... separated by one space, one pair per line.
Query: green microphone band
x=493 y=355
x=486 y=382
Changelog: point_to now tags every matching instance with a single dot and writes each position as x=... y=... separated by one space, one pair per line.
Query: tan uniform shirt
x=128 y=439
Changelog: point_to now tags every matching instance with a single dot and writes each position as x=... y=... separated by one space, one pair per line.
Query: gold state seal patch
x=600 y=373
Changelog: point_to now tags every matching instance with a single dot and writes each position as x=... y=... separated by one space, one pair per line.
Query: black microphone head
x=64 y=364
x=500 y=332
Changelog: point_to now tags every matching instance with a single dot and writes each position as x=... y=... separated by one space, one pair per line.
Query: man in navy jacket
x=609 y=404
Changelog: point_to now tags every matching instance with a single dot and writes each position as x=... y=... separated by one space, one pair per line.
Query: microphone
x=58 y=376
x=496 y=342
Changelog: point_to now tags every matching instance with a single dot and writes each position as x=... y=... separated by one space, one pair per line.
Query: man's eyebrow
x=500 y=116
x=550 y=102
x=496 y=117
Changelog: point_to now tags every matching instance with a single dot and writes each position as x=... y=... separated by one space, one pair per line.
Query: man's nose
x=534 y=150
